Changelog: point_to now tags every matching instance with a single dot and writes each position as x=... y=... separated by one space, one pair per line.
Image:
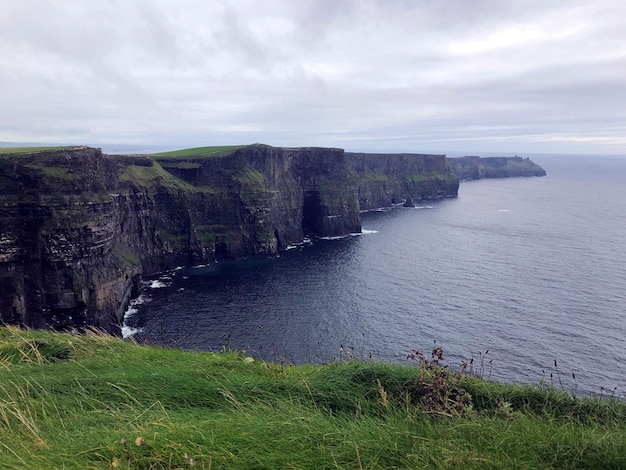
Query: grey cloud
x=357 y=73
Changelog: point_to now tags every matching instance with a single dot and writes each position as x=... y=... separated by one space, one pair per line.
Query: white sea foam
x=128 y=331
x=339 y=237
x=305 y=242
x=142 y=299
x=157 y=284
x=365 y=231
x=130 y=312
x=164 y=281
x=379 y=209
x=504 y=210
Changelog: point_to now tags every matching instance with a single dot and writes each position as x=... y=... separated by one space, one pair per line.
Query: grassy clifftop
x=27 y=150
x=200 y=152
x=95 y=401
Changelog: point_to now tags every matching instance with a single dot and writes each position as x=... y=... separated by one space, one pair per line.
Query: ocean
x=526 y=276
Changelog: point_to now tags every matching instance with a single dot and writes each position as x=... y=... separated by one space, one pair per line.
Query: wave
x=142 y=299
x=339 y=237
x=306 y=241
x=129 y=331
x=379 y=209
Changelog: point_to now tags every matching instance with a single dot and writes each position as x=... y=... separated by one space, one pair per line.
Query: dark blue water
x=530 y=269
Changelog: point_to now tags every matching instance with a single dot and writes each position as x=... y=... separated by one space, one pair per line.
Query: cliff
x=78 y=228
x=473 y=168
x=386 y=179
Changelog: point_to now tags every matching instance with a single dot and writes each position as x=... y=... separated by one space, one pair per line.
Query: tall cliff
x=62 y=262
x=386 y=179
x=473 y=168
x=78 y=228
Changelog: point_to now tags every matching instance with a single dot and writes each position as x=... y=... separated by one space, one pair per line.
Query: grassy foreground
x=94 y=401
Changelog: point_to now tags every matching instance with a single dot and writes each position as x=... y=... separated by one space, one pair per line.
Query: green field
x=95 y=401
x=26 y=150
x=203 y=152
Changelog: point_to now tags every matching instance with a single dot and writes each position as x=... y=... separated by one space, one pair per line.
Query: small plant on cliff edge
x=478 y=370
x=439 y=390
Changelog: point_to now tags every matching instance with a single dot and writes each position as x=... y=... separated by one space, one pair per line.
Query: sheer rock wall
x=79 y=228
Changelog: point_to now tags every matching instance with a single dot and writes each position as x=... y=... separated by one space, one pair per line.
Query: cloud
x=361 y=74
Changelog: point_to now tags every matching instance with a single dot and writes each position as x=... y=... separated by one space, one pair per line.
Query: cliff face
x=473 y=168
x=60 y=222
x=386 y=179
x=259 y=199
x=78 y=228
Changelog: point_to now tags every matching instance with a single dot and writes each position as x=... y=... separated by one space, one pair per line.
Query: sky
x=439 y=76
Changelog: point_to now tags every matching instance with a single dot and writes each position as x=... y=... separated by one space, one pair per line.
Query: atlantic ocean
x=519 y=274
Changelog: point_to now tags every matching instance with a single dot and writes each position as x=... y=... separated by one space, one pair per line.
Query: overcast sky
x=371 y=75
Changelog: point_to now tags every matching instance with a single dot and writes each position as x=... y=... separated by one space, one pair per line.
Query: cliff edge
x=78 y=228
x=386 y=179
x=473 y=168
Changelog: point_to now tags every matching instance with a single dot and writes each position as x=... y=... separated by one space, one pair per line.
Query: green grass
x=210 y=233
x=93 y=401
x=372 y=177
x=438 y=176
x=152 y=176
x=27 y=150
x=181 y=165
x=124 y=256
x=204 y=152
x=56 y=172
x=251 y=177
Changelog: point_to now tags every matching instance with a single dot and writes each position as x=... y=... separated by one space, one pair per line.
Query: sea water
x=515 y=273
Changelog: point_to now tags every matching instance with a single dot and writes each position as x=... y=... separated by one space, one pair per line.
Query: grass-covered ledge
x=95 y=401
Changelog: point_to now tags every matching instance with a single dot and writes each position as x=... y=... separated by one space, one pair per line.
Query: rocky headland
x=473 y=168
x=386 y=179
x=78 y=228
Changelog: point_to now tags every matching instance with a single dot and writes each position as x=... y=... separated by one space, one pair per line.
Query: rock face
x=386 y=179
x=473 y=168
x=78 y=228
x=61 y=257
